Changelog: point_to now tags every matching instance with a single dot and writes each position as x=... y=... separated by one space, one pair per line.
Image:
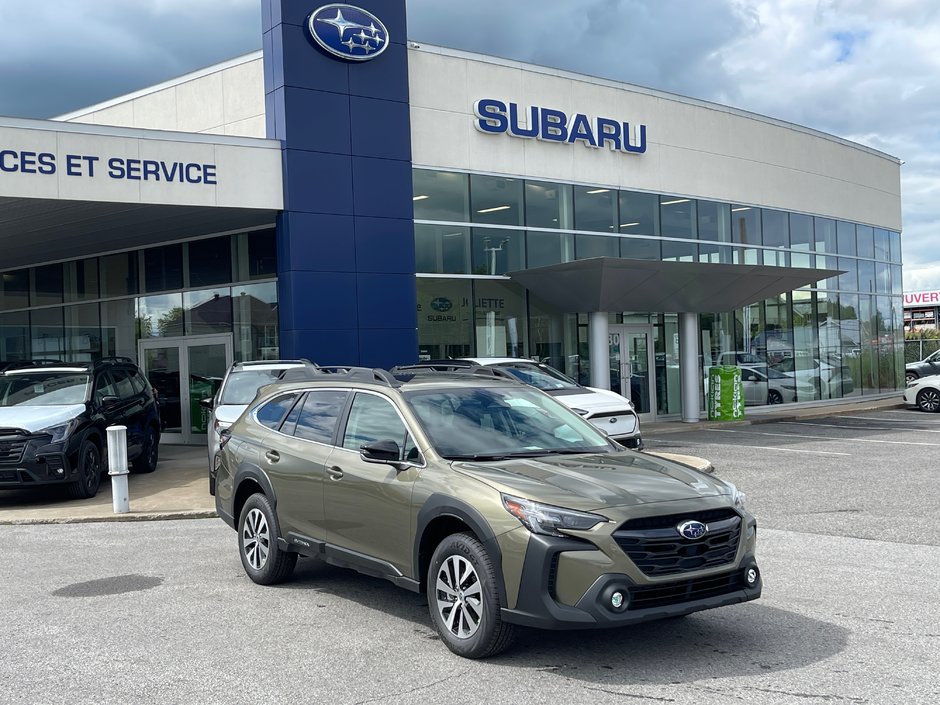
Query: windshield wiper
x=496 y=456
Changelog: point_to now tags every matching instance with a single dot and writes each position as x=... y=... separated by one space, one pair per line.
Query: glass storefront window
x=495 y=200
x=826 y=262
x=882 y=278
x=869 y=347
x=849 y=280
x=866 y=241
x=163 y=268
x=830 y=345
x=639 y=213
x=81 y=280
x=441 y=195
x=745 y=255
x=745 y=225
x=894 y=247
x=866 y=276
x=825 y=229
x=444 y=318
x=554 y=337
x=884 y=316
x=543 y=249
x=716 y=254
x=639 y=248
x=254 y=309
x=804 y=367
x=118 y=328
x=14 y=336
x=160 y=316
x=845 y=238
x=548 y=205
x=801 y=232
x=680 y=251
x=714 y=221
x=14 y=289
x=776 y=227
x=47 y=334
x=255 y=255
x=207 y=311
x=82 y=333
x=498 y=251
x=882 y=245
x=896 y=281
x=118 y=274
x=499 y=319
x=776 y=258
x=595 y=209
x=587 y=246
x=47 y=285
x=442 y=249
x=210 y=261
x=677 y=217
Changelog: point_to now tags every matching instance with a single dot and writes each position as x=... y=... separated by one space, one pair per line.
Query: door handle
x=273 y=456
x=335 y=473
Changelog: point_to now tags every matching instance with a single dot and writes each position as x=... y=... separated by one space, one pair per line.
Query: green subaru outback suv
x=498 y=502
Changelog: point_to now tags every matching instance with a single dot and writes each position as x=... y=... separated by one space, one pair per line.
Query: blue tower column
x=346 y=259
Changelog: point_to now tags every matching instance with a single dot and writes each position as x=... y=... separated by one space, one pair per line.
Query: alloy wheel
x=929 y=400
x=459 y=597
x=256 y=539
x=91 y=467
x=910 y=377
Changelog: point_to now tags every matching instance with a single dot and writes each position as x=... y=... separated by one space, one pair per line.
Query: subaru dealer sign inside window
x=348 y=32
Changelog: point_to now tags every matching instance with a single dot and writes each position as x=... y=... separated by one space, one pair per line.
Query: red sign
x=919 y=298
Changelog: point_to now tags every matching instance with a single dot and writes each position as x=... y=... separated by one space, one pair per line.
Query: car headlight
x=548 y=520
x=61 y=431
x=737 y=496
x=913 y=383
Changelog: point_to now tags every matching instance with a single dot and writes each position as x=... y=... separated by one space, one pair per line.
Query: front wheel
x=928 y=399
x=89 y=472
x=464 y=600
x=774 y=397
x=910 y=377
x=262 y=559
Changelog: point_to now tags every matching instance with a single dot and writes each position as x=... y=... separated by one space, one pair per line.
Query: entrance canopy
x=613 y=284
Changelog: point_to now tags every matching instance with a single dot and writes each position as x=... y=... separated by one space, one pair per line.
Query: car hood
x=595 y=481
x=36 y=418
x=229 y=413
x=593 y=400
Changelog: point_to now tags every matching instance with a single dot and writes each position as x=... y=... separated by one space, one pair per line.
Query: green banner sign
x=725 y=394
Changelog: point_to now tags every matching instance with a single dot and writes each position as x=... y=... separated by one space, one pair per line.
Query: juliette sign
x=922 y=298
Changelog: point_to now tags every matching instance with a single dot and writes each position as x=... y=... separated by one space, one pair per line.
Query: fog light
x=750 y=576
x=616 y=600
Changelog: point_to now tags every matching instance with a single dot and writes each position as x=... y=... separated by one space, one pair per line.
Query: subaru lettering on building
x=496 y=117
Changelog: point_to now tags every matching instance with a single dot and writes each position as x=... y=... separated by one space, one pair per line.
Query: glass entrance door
x=631 y=367
x=183 y=371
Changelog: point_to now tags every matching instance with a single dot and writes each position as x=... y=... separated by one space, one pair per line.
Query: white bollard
x=117 y=468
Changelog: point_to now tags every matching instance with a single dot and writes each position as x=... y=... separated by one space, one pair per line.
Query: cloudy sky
x=865 y=70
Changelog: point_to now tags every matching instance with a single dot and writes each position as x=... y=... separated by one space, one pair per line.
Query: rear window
x=241 y=387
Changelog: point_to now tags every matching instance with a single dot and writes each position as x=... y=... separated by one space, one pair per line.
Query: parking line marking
x=825 y=438
x=860 y=428
x=873 y=418
x=787 y=450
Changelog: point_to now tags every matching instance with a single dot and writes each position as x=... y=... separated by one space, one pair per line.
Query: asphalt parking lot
x=872 y=474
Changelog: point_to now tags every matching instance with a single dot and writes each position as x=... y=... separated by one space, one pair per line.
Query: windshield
x=495 y=422
x=241 y=387
x=539 y=376
x=44 y=389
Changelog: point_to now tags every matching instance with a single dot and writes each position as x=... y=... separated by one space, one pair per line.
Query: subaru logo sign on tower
x=348 y=32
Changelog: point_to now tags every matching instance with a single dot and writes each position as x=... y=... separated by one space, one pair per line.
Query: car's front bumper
x=29 y=461
x=539 y=604
x=910 y=395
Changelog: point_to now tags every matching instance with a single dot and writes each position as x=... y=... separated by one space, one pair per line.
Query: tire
x=774 y=397
x=464 y=600
x=263 y=561
x=928 y=399
x=910 y=377
x=89 y=472
x=149 y=454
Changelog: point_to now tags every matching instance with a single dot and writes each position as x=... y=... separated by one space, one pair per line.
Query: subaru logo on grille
x=613 y=419
x=348 y=32
x=692 y=529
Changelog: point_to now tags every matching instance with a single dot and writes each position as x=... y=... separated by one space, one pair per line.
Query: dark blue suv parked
x=53 y=418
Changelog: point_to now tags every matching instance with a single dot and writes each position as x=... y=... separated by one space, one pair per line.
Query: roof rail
x=432 y=367
x=248 y=363
x=360 y=374
x=115 y=359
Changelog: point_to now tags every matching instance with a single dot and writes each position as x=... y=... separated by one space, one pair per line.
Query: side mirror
x=208 y=403
x=109 y=401
x=386 y=451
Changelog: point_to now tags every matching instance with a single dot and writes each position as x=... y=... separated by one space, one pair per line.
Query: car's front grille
x=11 y=451
x=656 y=547
x=646 y=596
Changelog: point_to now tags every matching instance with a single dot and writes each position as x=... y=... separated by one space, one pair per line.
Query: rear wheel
x=774 y=397
x=910 y=377
x=463 y=599
x=149 y=454
x=258 y=530
x=928 y=399
x=89 y=472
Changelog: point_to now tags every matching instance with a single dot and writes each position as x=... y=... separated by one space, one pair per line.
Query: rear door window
x=273 y=412
x=320 y=415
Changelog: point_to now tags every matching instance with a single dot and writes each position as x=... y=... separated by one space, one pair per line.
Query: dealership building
x=351 y=197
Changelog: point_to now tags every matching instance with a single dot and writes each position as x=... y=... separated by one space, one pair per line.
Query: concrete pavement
x=178 y=489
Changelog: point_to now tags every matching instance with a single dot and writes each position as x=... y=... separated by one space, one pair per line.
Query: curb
x=150 y=516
